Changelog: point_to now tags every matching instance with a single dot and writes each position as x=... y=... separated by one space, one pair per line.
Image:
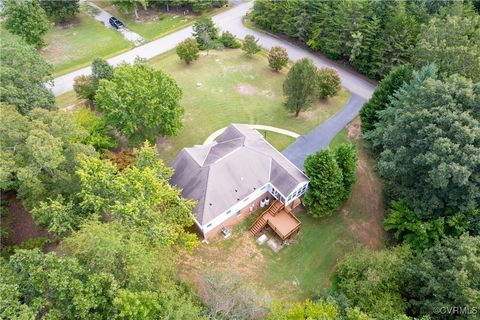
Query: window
x=238 y=213
x=228 y=212
x=209 y=225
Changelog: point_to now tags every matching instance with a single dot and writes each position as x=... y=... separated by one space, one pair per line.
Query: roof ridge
x=202 y=210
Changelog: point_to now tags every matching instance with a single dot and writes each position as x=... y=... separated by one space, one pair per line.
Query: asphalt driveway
x=321 y=136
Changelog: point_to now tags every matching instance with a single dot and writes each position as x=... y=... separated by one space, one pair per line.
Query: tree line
x=375 y=36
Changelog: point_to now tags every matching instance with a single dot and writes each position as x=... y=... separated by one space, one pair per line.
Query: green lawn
x=305 y=267
x=227 y=86
x=340 y=138
x=65 y=100
x=153 y=23
x=74 y=45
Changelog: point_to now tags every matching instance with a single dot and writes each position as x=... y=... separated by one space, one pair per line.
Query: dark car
x=117 y=24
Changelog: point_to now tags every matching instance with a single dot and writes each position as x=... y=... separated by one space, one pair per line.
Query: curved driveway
x=231 y=20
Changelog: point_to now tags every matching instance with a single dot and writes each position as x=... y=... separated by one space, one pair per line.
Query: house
x=234 y=176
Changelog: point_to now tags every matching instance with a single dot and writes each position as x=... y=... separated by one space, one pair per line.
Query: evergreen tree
x=101 y=69
x=346 y=158
x=325 y=191
x=382 y=95
x=250 y=45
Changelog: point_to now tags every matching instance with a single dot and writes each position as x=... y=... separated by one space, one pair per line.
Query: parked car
x=117 y=24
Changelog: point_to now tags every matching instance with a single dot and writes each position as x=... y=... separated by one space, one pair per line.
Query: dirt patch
x=238 y=254
x=245 y=89
x=365 y=202
x=20 y=222
x=55 y=49
x=354 y=130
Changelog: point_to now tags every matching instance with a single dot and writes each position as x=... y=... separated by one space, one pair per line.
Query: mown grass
x=340 y=138
x=75 y=44
x=66 y=99
x=153 y=23
x=226 y=87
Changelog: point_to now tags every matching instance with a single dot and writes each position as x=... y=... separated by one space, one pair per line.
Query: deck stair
x=262 y=220
x=275 y=207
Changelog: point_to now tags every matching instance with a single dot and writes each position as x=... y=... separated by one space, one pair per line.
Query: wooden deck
x=280 y=219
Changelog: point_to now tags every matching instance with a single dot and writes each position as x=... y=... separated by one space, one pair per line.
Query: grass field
x=227 y=86
x=74 y=45
x=65 y=100
x=305 y=267
x=152 y=23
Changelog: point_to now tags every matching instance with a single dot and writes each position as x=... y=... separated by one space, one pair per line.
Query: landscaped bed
x=305 y=267
x=76 y=43
x=226 y=87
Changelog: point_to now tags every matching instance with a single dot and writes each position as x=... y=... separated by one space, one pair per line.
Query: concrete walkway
x=292 y=134
x=321 y=136
x=103 y=16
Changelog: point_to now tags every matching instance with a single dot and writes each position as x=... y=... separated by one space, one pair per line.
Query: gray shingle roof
x=220 y=174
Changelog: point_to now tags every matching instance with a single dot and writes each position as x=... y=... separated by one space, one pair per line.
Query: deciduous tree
x=98 y=133
x=141 y=102
x=188 y=50
x=138 y=197
x=373 y=281
x=60 y=10
x=27 y=19
x=299 y=85
x=83 y=87
x=37 y=285
x=306 y=310
x=430 y=136
x=229 y=297
x=444 y=276
x=23 y=75
x=42 y=149
x=421 y=234
x=453 y=44
x=277 y=58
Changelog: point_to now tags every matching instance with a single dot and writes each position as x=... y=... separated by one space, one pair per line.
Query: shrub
x=229 y=40
x=327 y=82
x=188 y=50
x=250 y=45
x=277 y=58
x=83 y=87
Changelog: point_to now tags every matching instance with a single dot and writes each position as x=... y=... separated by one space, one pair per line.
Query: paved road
x=321 y=136
x=230 y=20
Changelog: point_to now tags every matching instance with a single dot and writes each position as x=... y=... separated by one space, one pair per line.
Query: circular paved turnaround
x=292 y=134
